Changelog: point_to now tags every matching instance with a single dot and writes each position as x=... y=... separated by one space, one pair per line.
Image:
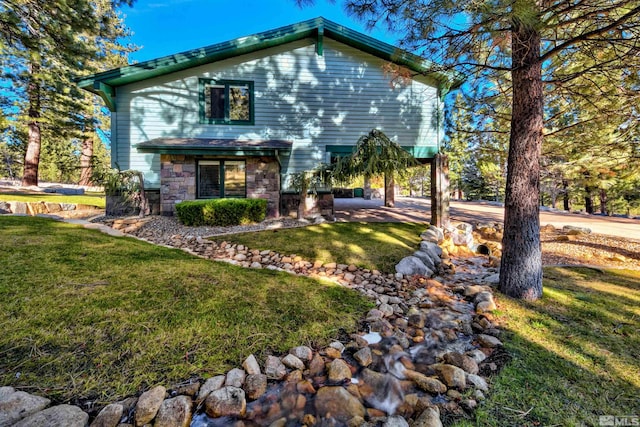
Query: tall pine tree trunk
x=521 y=266
x=588 y=199
x=86 y=157
x=34 y=139
x=603 y=201
x=565 y=195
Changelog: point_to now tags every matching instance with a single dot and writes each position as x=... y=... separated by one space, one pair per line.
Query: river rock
x=174 y=412
x=339 y=371
x=451 y=375
x=148 y=404
x=462 y=361
x=395 y=421
x=575 y=230
x=338 y=402
x=363 y=356
x=302 y=352
x=488 y=341
x=61 y=415
x=274 y=368
x=211 y=384
x=430 y=417
x=433 y=234
x=412 y=265
x=226 y=402
x=15 y=405
x=477 y=382
x=291 y=361
x=235 y=377
x=255 y=385
x=428 y=384
x=432 y=249
x=110 y=416
x=251 y=365
x=426 y=258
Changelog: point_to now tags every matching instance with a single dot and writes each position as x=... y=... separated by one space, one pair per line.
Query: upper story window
x=226 y=102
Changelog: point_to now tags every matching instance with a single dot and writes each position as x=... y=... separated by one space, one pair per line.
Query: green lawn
x=83 y=314
x=576 y=352
x=89 y=199
x=369 y=245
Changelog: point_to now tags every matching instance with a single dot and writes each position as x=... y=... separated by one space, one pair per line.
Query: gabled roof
x=104 y=83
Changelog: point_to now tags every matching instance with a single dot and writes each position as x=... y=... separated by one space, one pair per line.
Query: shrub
x=221 y=212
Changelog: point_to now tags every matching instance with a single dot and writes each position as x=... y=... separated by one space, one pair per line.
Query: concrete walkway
x=412 y=209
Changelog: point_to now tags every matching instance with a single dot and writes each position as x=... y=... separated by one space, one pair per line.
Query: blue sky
x=165 y=27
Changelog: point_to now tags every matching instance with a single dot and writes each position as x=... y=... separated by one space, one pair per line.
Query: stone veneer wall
x=178 y=181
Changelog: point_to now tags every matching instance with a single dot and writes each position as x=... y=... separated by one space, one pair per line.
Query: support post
x=440 y=190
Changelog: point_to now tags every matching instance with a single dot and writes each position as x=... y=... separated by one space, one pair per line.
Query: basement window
x=226 y=102
x=221 y=178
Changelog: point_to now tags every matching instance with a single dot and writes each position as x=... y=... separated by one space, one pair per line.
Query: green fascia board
x=230 y=152
x=417 y=151
x=316 y=28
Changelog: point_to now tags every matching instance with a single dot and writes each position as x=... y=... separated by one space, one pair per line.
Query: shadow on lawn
x=575 y=352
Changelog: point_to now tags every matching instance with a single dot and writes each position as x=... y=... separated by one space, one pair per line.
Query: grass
x=83 y=314
x=576 y=352
x=89 y=199
x=368 y=245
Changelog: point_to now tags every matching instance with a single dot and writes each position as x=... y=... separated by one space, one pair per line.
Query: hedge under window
x=226 y=101
x=221 y=178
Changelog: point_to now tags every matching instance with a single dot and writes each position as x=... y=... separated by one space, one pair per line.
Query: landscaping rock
x=338 y=371
x=211 y=384
x=226 y=402
x=451 y=375
x=433 y=234
x=148 y=405
x=291 y=361
x=462 y=361
x=363 y=356
x=430 y=417
x=573 y=230
x=395 y=421
x=174 y=412
x=433 y=250
x=15 y=405
x=411 y=265
x=255 y=385
x=302 y=352
x=274 y=368
x=110 y=416
x=56 y=416
x=338 y=402
x=235 y=377
x=477 y=382
x=488 y=341
x=428 y=384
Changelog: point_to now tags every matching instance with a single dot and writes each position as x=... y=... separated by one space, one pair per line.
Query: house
x=237 y=119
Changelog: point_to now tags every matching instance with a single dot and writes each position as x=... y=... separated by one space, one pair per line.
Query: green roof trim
x=417 y=151
x=105 y=83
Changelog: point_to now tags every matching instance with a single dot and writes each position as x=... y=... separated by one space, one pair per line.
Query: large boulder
x=412 y=265
x=433 y=234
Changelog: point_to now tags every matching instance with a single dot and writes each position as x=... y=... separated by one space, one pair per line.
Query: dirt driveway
x=412 y=209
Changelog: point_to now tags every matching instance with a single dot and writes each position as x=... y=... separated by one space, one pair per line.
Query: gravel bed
x=165 y=226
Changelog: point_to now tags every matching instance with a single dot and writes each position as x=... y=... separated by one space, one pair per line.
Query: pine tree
x=43 y=44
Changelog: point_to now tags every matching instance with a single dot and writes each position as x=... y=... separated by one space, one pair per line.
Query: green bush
x=221 y=212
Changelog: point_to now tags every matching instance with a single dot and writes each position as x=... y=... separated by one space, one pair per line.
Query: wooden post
x=440 y=190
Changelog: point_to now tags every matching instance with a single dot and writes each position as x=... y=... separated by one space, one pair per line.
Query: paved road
x=419 y=210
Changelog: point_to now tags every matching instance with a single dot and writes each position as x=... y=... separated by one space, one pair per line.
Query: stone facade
x=319 y=204
x=178 y=181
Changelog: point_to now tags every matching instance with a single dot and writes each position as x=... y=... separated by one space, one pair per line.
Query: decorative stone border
x=40 y=208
